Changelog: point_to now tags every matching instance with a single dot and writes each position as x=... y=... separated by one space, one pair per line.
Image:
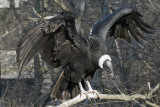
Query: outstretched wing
x=123 y=23
x=51 y=38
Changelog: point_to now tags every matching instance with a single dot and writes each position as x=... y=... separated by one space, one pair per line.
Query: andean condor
x=60 y=45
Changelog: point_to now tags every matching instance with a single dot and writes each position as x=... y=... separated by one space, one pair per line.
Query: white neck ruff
x=102 y=59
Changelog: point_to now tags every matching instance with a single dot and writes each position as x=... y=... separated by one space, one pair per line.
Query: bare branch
x=8 y=32
x=151 y=104
x=80 y=7
x=153 y=5
x=36 y=13
x=66 y=5
x=123 y=97
x=45 y=4
x=156 y=44
x=102 y=96
x=40 y=19
x=154 y=90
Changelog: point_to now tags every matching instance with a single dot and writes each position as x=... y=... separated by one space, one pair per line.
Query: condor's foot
x=90 y=91
x=83 y=91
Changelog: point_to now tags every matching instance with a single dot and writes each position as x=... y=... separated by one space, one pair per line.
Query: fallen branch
x=123 y=97
x=101 y=96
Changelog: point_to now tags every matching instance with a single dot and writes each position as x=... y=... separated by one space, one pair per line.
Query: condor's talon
x=97 y=93
x=91 y=90
x=83 y=91
x=86 y=93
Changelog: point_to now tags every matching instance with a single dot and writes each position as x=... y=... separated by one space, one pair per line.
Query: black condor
x=60 y=45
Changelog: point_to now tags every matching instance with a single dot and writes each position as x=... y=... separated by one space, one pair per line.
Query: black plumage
x=60 y=45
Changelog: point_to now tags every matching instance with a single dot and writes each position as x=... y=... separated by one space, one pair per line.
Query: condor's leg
x=90 y=90
x=81 y=88
x=83 y=91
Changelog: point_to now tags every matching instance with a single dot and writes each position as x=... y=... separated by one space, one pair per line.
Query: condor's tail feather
x=70 y=92
x=55 y=90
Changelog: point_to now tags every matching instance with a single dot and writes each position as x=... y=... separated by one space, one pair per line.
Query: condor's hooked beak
x=106 y=64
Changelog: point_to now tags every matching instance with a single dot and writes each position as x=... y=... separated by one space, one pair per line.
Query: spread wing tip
x=143 y=26
x=26 y=44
